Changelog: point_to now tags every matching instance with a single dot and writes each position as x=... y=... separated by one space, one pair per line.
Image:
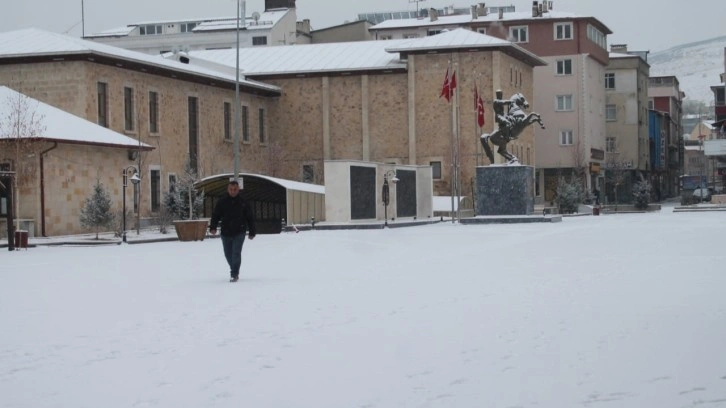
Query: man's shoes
x=234 y=279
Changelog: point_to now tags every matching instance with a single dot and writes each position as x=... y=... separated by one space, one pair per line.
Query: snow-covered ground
x=625 y=311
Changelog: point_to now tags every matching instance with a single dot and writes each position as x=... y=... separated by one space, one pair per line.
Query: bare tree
x=276 y=155
x=22 y=127
x=617 y=170
x=579 y=162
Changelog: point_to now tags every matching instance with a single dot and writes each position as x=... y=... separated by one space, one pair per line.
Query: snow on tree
x=641 y=194
x=569 y=195
x=21 y=128
x=96 y=211
x=183 y=201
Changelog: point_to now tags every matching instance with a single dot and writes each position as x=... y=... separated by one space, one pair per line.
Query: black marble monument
x=505 y=190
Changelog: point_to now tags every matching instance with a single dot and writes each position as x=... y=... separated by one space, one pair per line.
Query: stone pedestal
x=504 y=190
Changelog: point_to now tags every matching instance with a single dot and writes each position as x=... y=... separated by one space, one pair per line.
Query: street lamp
x=135 y=180
x=386 y=193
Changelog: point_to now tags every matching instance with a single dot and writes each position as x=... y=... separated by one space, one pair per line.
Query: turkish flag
x=480 y=110
x=453 y=84
x=446 y=90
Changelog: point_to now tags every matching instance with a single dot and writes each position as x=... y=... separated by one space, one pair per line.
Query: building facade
x=628 y=147
x=665 y=95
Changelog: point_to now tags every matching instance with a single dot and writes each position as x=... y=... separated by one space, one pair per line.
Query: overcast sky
x=652 y=25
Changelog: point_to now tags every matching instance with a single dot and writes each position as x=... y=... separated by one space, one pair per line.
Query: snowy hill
x=697 y=66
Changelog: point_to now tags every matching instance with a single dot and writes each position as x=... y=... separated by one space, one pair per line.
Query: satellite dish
x=256 y=17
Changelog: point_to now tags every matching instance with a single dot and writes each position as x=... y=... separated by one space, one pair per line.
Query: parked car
x=701 y=194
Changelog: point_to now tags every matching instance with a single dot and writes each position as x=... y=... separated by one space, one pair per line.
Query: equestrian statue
x=510 y=124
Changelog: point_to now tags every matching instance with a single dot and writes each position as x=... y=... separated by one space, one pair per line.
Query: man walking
x=236 y=218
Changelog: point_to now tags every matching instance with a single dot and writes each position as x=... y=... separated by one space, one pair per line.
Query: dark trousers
x=233 y=252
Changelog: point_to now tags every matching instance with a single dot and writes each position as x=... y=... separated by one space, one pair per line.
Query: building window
x=564 y=102
x=262 y=125
x=650 y=104
x=431 y=32
x=245 y=124
x=481 y=30
x=155 y=190
x=129 y=108
x=518 y=34
x=566 y=138
x=563 y=31
x=596 y=36
x=102 y=90
x=150 y=29
x=308 y=173
x=610 y=144
x=193 y=112
x=435 y=169
x=188 y=27
x=385 y=37
x=564 y=67
x=172 y=182
x=406 y=36
x=259 y=40
x=720 y=96
x=227 y=121
x=136 y=197
x=610 y=80
x=610 y=113
x=153 y=112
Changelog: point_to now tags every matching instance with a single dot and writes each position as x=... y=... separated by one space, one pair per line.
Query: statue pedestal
x=504 y=190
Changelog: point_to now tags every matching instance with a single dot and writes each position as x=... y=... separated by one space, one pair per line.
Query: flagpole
x=453 y=157
x=458 y=155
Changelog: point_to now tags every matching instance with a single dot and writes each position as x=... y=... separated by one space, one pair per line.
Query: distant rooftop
x=266 y=20
x=379 y=17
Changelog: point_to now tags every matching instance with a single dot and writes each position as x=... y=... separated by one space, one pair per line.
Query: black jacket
x=235 y=215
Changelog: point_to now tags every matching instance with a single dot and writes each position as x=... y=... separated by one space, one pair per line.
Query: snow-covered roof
x=287 y=184
x=61 y=126
x=33 y=42
x=621 y=55
x=350 y=56
x=114 y=32
x=459 y=19
x=308 y=58
x=267 y=20
x=458 y=38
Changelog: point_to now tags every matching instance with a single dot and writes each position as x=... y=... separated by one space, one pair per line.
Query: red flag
x=446 y=90
x=476 y=99
x=480 y=111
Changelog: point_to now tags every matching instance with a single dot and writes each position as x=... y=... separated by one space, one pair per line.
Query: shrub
x=641 y=194
x=569 y=196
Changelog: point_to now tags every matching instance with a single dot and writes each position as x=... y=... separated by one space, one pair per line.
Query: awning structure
x=273 y=199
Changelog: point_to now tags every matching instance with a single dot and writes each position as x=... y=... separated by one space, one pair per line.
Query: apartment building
x=276 y=25
x=627 y=149
x=568 y=92
x=665 y=96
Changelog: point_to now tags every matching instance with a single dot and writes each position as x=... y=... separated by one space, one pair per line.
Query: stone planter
x=191 y=230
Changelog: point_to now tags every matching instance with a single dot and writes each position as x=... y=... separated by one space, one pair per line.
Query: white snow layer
x=623 y=311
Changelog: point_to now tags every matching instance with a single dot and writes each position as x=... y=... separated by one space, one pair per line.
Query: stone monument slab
x=504 y=190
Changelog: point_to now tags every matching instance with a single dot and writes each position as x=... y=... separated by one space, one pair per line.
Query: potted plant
x=184 y=202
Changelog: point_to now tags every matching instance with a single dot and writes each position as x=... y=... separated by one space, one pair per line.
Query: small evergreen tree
x=641 y=194
x=182 y=195
x=96 y=211
x=569 y=196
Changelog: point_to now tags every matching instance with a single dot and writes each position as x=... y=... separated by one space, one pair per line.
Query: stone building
x=379 y=101
x=184 y=113
x=301 y=105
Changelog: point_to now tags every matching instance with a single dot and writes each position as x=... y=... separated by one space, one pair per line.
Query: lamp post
x=135 y=180
x=386 y=193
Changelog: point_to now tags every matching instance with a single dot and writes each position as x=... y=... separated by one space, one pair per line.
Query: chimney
x=304 y=26
x=482 y=10
x=474 y=13
x=619 y=48
x=433 y=14
x=539 y=10
x=550 y=5
x=535 y=8
x=545 y=6
x=501 y=13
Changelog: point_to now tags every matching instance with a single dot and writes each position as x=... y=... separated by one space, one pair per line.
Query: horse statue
x=510 y=124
